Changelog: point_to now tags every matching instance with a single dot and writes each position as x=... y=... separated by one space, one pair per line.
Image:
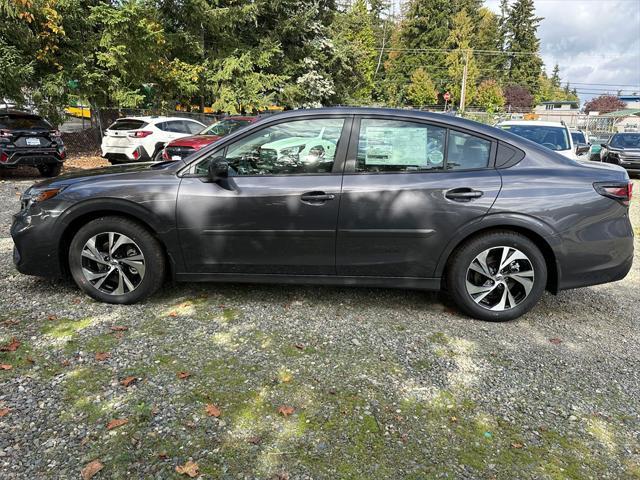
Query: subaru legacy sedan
x=347 y=196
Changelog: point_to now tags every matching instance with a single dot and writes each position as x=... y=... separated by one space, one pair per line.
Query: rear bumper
x=125 y=154
x=33 y=157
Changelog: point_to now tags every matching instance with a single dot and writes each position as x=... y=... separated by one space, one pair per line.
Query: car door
x=408 y=187
x=277 y=212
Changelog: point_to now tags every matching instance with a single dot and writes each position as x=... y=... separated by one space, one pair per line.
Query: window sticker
x=396 y=146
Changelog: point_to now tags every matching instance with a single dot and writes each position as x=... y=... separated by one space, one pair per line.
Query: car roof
x=18 y=113
x=537 y=123
x=157 y=119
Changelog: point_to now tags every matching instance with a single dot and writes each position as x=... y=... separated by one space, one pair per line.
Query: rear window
x=24 y=122
x=127 y=124
x=554 y=138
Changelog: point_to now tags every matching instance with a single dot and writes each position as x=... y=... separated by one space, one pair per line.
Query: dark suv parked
x=369 y=197
x=623 y=149
x=29 y=139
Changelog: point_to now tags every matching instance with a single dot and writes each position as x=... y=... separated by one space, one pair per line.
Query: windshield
x=625 y=140
x=578 y=137
x=555 y=138
x=24 y=122
x=127 y=124
x=224 y=127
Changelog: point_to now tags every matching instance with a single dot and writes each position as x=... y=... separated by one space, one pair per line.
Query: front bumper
x=35 y=244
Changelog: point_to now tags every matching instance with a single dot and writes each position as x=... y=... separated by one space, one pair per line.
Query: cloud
x=595 y=42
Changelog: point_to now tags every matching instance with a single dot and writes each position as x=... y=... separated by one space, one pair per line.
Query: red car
x=185 y=146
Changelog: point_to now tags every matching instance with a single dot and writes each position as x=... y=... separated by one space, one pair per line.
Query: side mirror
x=603 y=145
x=218 y=169
x=582 y=148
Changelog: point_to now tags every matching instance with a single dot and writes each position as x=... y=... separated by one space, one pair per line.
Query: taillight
x=5 y=133
x=140 y=133
x=618 y=191
x=3 y=157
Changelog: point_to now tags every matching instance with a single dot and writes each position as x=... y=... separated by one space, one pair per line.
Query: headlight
x=38 y=194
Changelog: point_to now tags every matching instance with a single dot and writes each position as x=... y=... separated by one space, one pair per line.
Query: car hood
x=85 y=175
x=194 y=141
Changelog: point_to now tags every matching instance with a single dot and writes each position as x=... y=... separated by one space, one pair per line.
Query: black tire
x=465 y=254
x=157 y=155
x=147 y=244
x=50 y=169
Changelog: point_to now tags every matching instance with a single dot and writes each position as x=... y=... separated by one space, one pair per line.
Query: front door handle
x=463 y=194
x=316 y=197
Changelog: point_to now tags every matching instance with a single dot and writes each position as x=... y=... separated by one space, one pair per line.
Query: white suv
x=553 y=135
x=133 y=139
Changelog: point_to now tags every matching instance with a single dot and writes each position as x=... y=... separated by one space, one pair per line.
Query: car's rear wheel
x=116 y=260
x=497 y=276
x=50 y=169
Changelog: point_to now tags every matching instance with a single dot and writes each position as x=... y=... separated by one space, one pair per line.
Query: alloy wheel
x=113 y=263
x=500 y=278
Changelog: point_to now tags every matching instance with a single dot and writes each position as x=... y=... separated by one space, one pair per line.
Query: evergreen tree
x=421 y=91
x=555 y=76
x=488 y=40
x=459 y=42
x=525 y=64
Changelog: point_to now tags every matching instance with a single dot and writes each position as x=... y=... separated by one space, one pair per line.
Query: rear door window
x=24 y=122
x=127 y=124
x=192 y=127
x=175 y=126
x=399 y=146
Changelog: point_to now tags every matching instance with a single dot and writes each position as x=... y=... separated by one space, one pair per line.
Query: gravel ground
x=311 y=382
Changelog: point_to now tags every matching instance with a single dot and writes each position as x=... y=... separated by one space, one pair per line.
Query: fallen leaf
x=299 y=346
x=76 y=301
x=116 y=422
x=285 y=410
x=30 y=360
x=4 y=412
x=5 y=366
x=183 y=375
x=65 y=363
x=254 y=440
x=102 y=356
x=163 y=455
x=52 y=318
x=91 y=469
x=125 y=382
x=212 y=410
x=10 y=322
x=173 y=314
x=12 y=346
x=190 y=468
x=516 y=445
x=555 y=341
x=119 y=328
x=454 y=419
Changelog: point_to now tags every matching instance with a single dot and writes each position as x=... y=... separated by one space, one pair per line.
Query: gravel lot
x=373 y=383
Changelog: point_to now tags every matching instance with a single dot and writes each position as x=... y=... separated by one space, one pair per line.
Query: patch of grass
x=65 y=327
x=81 y=390
x=439 y=338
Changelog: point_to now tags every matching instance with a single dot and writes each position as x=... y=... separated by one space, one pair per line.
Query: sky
x=595 y=42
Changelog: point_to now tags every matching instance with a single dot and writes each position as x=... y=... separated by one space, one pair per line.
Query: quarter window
x=399 y=146
x=467 y=151
x=296 y=147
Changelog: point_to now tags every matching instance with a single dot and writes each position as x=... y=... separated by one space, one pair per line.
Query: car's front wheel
x=497 y=276
x=116 y=260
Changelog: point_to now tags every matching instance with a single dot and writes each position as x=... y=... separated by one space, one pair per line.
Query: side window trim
x=339 y=159
x=351 y=159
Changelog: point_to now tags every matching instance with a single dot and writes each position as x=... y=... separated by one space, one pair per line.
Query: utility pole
x=463 y=90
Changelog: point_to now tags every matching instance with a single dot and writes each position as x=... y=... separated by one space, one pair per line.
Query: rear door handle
x=317 y=197
x=463 y=194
